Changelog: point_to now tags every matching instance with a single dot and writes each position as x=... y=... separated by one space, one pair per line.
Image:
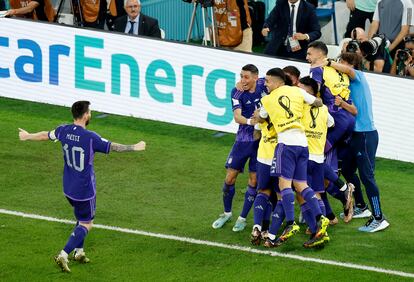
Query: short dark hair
x=309 y=81
x=79 y=108
x=251 y=68
x=292 y=70
x=320 y=46
x=278 y=72
x=352 y=58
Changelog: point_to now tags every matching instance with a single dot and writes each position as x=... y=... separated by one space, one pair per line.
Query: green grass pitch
x=174 y=188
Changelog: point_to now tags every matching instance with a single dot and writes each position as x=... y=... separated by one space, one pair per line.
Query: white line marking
x=215 y=244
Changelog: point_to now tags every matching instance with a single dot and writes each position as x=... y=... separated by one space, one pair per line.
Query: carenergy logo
x=161 y=78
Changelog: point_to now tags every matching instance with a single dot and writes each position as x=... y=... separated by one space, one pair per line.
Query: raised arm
x=38 y=136
x=116 y=147
x=341 y=67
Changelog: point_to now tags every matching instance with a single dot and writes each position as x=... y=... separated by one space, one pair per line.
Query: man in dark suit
x=136 y=23
x=293 y=25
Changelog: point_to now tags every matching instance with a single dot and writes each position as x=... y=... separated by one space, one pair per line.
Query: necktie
x=292 y=15
x=131 y=30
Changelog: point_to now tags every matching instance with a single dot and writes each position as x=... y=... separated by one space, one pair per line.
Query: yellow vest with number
x=285 y=107
x=315 y=121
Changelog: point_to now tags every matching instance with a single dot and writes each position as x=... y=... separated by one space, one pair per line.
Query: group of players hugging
x=292 y=131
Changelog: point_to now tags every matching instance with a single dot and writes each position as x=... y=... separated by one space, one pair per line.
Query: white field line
x=216 y=244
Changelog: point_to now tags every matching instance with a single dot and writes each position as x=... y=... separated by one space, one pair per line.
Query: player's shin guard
x=260 y=205
x=277 y=218
x=267 y=215
x=309 y=218
x=80 y=245
x=77 y=236
x=322 y=207
x=228 y=194
x=249 y=197
x=309 y=195
x=288 y=201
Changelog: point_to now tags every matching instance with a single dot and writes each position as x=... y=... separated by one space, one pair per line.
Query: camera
x=370 y=47
x=403 y=55
x=352 y=46
x=204 y=3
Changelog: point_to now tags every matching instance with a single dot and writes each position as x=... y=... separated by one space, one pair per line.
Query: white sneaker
x=358 y=213
x=240 y=224
x=218 y=223
x=374 y=225
x=80 y=257
x=62 y=263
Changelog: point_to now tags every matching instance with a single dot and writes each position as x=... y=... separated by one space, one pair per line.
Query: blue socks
x=78 y=235
x=260 y=206
x=228 y=194
x=309 y=218
x=312 y=201
x=288 y=202
x=328 y=209
x=80 y=245
x=322 y=207
x=249 y=197
x=277 y=218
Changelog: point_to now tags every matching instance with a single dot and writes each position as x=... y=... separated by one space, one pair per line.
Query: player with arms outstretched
x=79 y=186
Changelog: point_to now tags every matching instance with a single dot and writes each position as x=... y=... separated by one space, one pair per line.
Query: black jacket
x=147 y=26
x=278 y=23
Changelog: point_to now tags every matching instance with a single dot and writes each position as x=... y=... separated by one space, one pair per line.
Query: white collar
x=296 y=4
x=135 y=20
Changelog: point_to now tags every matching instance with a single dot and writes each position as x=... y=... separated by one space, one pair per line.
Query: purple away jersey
x=248 y=103
x=79 y=146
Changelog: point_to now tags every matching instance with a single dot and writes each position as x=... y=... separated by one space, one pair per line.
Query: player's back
x=79 y=146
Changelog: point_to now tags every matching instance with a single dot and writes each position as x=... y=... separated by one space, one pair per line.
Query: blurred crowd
x=386 y=46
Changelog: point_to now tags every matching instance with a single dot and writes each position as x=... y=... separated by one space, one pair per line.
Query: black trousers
x=357 y=18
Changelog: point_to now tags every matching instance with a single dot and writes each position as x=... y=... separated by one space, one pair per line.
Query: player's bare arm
x=140 y=146
x=38 y=136
x=241 y=119
x=318 y=102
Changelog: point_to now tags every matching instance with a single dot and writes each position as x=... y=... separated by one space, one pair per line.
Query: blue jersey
x=361 y=95
x=79 y=146
x=248 y=103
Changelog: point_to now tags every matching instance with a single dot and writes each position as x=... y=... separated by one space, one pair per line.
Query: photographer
x=375 y=55
x=393 y=19
x=403 y=61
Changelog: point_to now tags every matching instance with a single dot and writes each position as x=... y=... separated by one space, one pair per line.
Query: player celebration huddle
x=298 y=134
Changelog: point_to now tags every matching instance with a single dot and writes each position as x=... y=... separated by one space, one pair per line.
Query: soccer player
x=363 y=146
x=332 y=83
x=293 y=73
x=316 y=121
x=266 y=184
x=79 y=146
x=284 y=106
x=245 y=148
